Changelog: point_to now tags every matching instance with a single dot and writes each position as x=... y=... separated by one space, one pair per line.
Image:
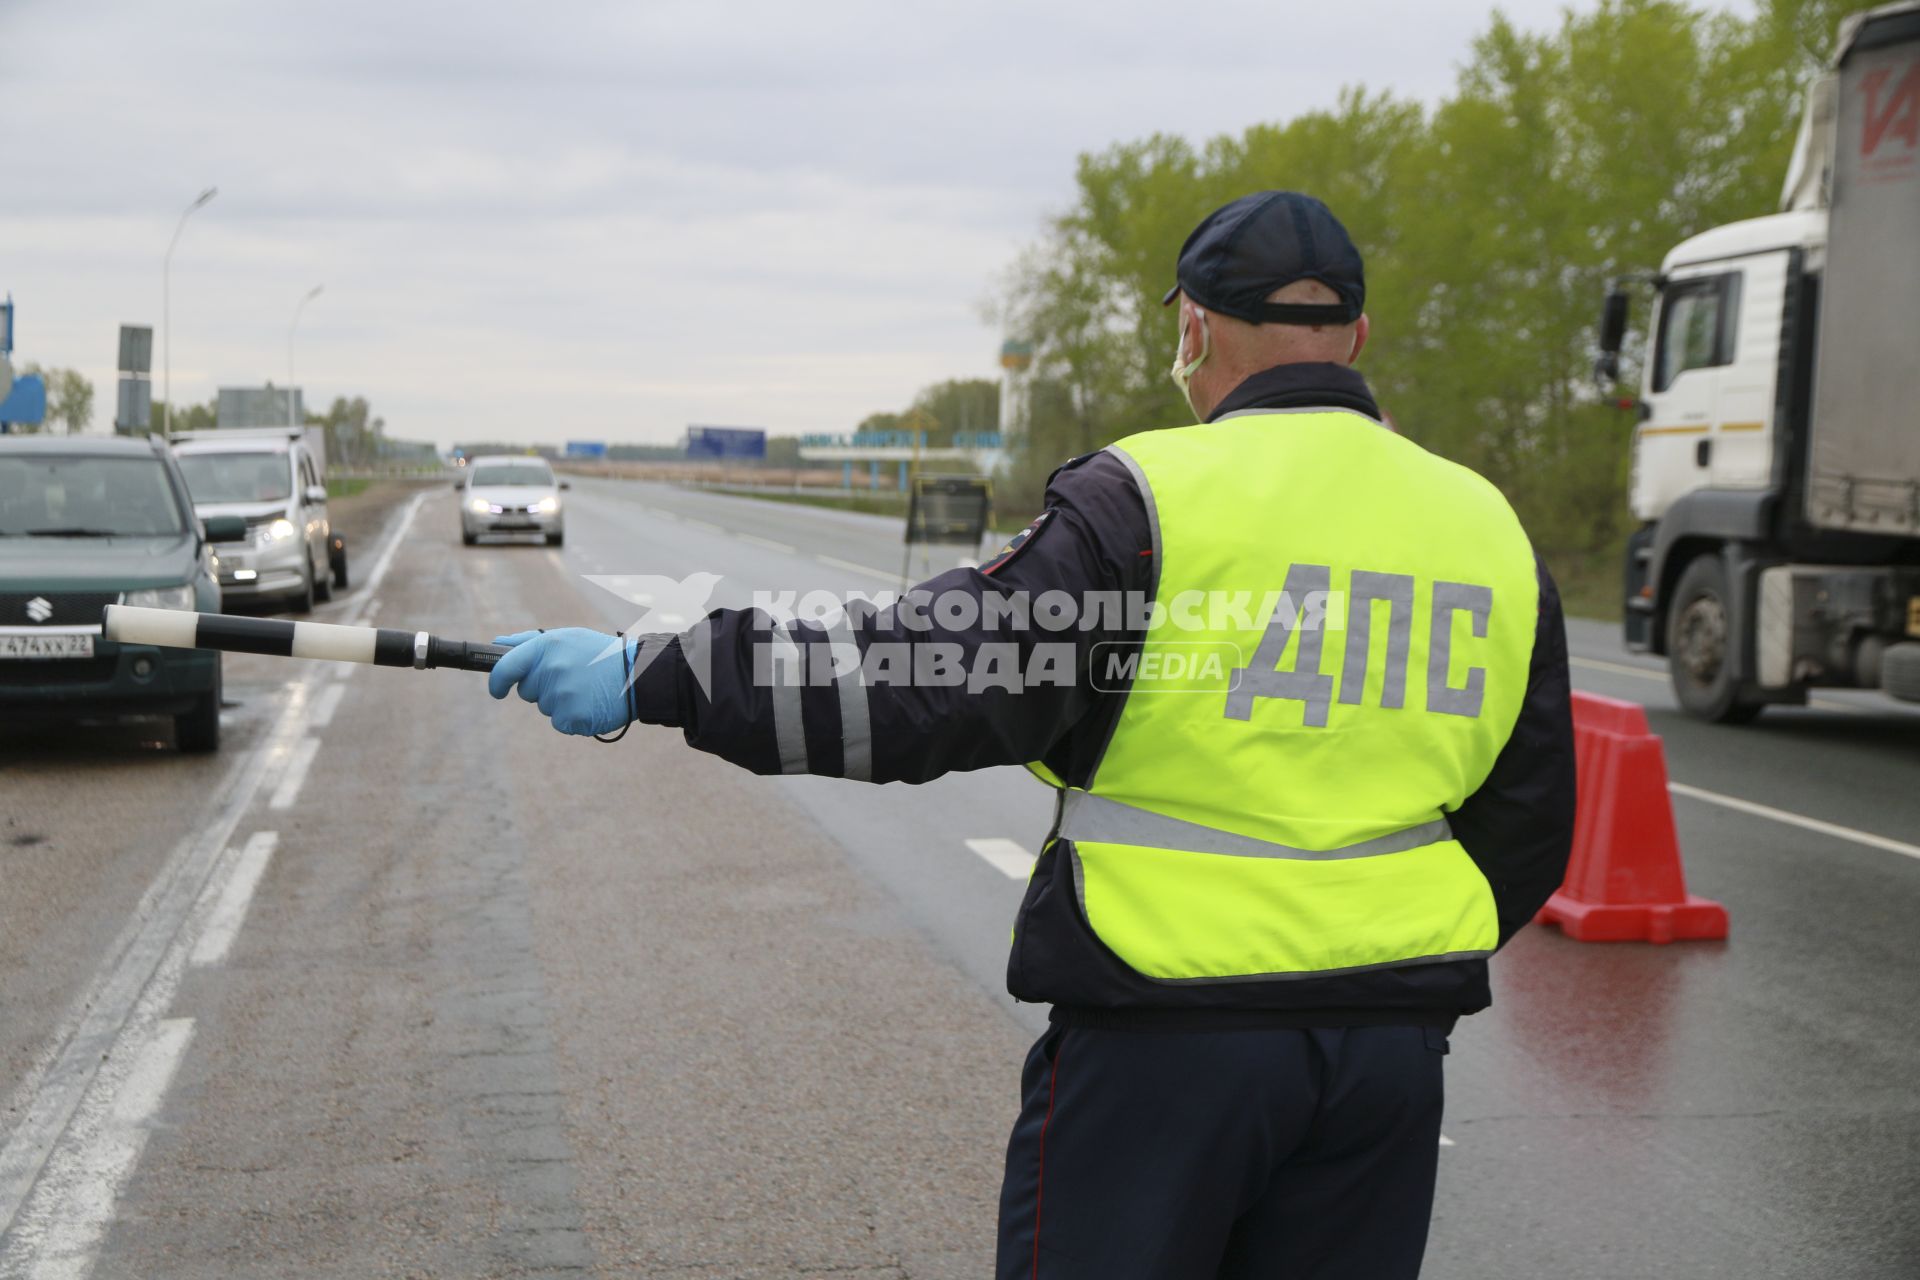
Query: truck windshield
x=77 y=496
x=237 y=477
x=499 y=473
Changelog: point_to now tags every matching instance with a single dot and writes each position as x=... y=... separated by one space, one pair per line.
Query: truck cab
x=1776 y=463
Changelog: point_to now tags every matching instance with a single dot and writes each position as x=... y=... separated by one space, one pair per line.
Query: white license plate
x=55 y=646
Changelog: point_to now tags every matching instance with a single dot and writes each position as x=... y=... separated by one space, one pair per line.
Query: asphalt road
x=403 y=983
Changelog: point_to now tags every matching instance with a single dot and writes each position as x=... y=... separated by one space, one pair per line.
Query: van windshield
x=237 y=477
x=499 y=473
x=77 y=496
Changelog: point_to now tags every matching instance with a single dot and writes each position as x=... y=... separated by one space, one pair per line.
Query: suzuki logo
x=39 y=609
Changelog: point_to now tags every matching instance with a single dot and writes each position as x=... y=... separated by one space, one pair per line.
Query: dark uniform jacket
x=1094 y=537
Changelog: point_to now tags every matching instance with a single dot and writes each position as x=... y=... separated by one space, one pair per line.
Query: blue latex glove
x=577 y=676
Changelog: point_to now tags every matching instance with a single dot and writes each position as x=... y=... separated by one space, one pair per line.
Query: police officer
x=1303 y=795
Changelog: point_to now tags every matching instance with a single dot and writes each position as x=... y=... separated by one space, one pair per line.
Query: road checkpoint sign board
x=949 y=510
x=134 y=412
x=136 y=348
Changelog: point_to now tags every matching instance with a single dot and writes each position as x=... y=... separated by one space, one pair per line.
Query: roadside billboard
x=742 y=443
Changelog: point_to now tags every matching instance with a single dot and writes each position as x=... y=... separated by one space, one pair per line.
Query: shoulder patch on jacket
x=1017 y=543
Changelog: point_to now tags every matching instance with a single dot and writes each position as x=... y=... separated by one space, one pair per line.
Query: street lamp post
x=300 y=306
x=166 y=311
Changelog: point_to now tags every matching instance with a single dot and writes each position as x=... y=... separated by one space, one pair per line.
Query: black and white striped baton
x=381 y=646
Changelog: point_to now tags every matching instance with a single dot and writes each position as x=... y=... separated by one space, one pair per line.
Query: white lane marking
x=73 y=1205
x=230 y=908
x=851 y=567
x=702 y=524
x=1616 y=668
x=768 y=543
x=373 y=607
x=327 y=703
x=299 y=760
x=1646 y=673
x=1833 y=829
x=136 y=980
x=1008 y=857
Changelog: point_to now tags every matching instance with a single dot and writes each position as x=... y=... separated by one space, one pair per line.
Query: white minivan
x=270 y=479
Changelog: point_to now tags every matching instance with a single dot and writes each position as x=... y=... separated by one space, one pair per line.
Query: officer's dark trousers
x=1289 y=1154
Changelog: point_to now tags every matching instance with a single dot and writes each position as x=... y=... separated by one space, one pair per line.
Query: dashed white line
x=49 y=1167
x=1785 y=818
x=1008 y=857
x=230 y=908
x=73 y=1207
x=327 y=703
x=701 y=524
x=299 y=760
x=768 y=543
x=373 y=607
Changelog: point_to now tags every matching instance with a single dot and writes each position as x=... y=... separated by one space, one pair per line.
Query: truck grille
x=53 y=608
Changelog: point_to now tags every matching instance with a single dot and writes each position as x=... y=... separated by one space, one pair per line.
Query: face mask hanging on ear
x=1182 y=374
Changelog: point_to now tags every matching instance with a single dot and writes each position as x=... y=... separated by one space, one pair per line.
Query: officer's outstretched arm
x=957 y=675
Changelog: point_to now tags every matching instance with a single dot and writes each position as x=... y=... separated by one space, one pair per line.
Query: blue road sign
x=586 y=448
x=726 y=442
x=27 y=402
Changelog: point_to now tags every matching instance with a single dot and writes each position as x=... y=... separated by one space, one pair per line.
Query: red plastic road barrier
x=1624 y=881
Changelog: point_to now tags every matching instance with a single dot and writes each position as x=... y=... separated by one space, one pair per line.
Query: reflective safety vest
x=1344 y=625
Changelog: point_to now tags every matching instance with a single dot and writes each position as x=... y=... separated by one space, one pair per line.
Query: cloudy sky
x=588 y=219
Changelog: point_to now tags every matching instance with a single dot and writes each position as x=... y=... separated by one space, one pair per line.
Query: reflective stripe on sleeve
x=789 y=732
x=856 y=728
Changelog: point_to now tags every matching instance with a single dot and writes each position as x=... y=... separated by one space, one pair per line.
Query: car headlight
x=180 y=597
x=547 y=505
x=279 y=529
x=478 y=504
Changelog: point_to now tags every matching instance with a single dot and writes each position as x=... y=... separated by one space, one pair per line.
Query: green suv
x=87 y=522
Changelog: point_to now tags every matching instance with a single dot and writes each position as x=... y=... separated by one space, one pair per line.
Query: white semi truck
x=1776 y=466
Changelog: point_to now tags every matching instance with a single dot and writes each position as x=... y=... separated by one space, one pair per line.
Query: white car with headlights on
x=511 y=495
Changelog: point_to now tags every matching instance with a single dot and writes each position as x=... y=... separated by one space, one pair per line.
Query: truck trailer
x=1776 y=464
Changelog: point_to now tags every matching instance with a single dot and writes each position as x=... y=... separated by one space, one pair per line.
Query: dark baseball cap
x=1243 y=251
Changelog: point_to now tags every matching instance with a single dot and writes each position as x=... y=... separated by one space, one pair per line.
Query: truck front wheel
x=1699 y=647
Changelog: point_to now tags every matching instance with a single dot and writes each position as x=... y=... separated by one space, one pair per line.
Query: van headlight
x=547 y=505
x=180 y=597
x=480 y=505
x=279 y=530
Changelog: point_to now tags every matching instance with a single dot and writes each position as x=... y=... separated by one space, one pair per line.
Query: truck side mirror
x=1613 y=333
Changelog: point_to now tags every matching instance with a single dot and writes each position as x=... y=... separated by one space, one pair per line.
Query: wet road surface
x=445 y=993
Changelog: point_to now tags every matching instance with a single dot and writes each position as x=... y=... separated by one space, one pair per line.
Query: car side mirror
x=226 y=529
x=566 y=484
x=316 y=493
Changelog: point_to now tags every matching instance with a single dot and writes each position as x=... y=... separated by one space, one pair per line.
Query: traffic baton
x=381 y=646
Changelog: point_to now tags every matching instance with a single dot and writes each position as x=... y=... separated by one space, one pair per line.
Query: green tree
x=69 y=398
x=1490 y=226
x=958 y=405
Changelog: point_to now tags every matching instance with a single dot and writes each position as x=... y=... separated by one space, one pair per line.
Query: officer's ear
x=1361 y=328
